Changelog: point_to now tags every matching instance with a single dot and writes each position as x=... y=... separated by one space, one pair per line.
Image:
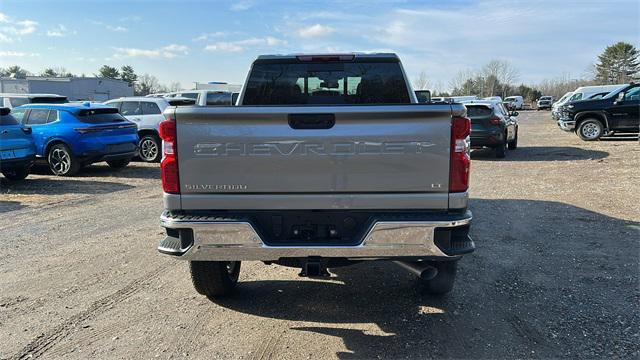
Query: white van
x=516 y=102
x=584 y=92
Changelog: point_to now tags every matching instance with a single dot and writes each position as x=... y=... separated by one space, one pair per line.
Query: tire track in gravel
x=41 y=344
x=189 y=339
x=268 y=346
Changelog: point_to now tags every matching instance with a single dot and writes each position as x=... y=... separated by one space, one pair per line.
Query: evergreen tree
x=618 y=64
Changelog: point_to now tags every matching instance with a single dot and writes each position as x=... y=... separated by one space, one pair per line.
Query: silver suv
x=146 y=113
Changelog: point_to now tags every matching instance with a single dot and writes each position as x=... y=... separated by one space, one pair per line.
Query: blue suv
x=17 y=150
x=70 y=136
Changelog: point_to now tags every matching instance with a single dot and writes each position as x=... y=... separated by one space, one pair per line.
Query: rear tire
x=17 y=174
x=444 y=280
x=590 y=130
x=149 y=148
x=118 y=164
x=61 y=161
x=514 y=143
x=214 y=278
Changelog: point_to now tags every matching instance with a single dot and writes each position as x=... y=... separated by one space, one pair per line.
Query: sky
x=204 y=41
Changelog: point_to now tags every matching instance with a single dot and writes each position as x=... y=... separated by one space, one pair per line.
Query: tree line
x=144 y=84
x=618 y=64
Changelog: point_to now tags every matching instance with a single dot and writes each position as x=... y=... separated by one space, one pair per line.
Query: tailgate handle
x=312 y=121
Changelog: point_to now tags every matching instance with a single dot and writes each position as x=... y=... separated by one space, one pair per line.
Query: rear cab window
x=292 y=81
x=100 y=116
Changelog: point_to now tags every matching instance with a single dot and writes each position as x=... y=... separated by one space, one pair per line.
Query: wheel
x=501 y=150
x=442 y=283
x=16 y=174
x=149 y=148
x=61 y=161
x=118 y=164
x=214 y=278
x=514 y=143
x=590 y=130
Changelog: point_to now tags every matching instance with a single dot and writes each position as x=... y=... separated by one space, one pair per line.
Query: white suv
x=146 y=112
x=205 y=97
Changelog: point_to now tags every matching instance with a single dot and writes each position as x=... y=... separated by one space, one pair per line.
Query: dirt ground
x=555 y=273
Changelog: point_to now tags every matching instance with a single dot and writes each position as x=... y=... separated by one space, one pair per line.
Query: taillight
x=169 y=164
x=460 y=160
x=494 y=121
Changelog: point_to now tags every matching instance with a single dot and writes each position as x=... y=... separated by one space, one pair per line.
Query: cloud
x=315 y=31
x=60 y=31
x=166 y=52
x=133 y=18
x=113 y=28
x=241 y=6
x=17 y=54
x=116 y=28
x=242 y=45
x=207 y=36
x=11 y=29
x=224 y=47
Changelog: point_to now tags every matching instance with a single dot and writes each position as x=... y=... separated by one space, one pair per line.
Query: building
x=74 y=88
x=221 y=86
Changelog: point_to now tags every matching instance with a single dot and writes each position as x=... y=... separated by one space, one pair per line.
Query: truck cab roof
x=330 y=57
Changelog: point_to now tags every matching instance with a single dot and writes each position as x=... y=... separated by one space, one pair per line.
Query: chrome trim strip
x=224 y=240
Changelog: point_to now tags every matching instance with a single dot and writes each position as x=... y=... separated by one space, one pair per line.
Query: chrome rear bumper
x=219 y=239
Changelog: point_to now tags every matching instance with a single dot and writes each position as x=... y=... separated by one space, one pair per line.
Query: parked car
x=69 y=136
x=618 y=111
x=17 y=149
x=11 y=100
x=146 y=113
x=515 y=102
x=584 y=92
x=492 y=126
x=423 y=96
x=544 y=102
x=555 y=108
x=206 y=97
x=346 y=169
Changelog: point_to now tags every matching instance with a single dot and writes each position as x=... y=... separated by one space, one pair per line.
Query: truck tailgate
x=314 y=150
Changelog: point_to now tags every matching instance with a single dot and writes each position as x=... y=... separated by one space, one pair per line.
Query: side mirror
x=514 y=113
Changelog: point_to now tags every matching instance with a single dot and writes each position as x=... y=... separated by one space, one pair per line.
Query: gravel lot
x=556 y=223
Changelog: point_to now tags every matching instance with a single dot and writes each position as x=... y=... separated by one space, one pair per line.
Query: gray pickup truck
x=327 y=160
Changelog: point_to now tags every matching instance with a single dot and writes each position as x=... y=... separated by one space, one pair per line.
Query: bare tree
x=497 y=76
x=147 y=84
x=458 y=82
x=422 y=82
x=174 y=86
